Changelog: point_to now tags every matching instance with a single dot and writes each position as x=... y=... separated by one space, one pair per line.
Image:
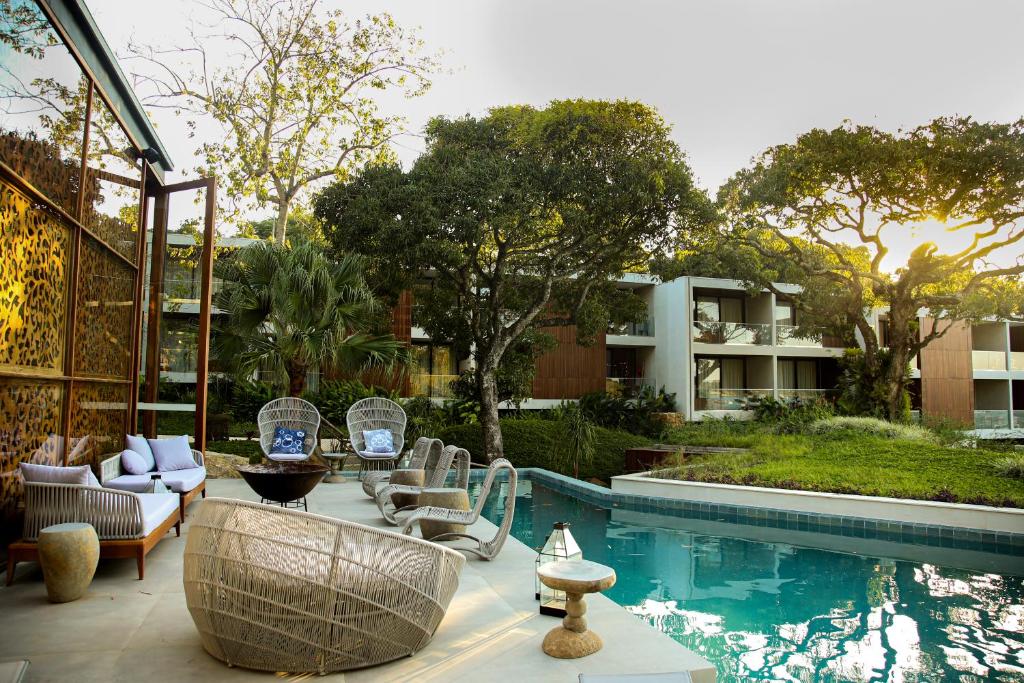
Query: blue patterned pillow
x=292 y=441
x=379 y=440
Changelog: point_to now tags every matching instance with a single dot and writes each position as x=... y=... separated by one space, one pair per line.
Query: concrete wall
x=670 y=363
x=760 y=373
x=760 y=309
x=991 y=394
x=989 y=337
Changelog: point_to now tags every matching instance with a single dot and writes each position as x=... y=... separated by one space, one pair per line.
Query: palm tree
x=289 y=310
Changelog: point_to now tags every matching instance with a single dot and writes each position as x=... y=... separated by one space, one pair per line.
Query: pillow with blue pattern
x=379 y=440
x=291 y=441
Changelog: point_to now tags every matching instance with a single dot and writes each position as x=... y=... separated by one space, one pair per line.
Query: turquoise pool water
x=770 y=611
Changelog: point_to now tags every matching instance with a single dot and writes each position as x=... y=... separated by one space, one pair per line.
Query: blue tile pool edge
x=838 y=525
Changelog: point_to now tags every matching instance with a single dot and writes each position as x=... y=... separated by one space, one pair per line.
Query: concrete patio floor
x=130 y=630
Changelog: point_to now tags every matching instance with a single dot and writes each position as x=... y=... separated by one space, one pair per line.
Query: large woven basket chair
x=291 y=413
x=375 y=413
x=426 y=453
x=283 y=590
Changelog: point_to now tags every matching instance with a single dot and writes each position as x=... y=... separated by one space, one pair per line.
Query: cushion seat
x=156 y=508
x=287 y=457
x=136 y=483
x=179 y=481
x=371 y=455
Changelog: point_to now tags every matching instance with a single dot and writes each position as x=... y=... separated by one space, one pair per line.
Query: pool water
x=779 y=612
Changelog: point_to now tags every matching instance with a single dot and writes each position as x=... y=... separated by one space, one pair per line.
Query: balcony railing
x=628 y=387
x=1018 y=419
x=988 y=360
x=1017 y=361
x=991 y=419
x=644 y=328
x=790 y=335
x=805 y=394
x=432 y=386
x=710 y=332
x=729 y=399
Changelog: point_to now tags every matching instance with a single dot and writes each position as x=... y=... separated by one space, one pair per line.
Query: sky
x=732 y=77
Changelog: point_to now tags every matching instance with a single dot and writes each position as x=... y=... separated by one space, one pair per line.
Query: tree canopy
x=521 y=220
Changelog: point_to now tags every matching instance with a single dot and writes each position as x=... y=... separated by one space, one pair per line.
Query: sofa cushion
x=380 y=456
x=136 y=483
x=156 y=508
x=48 y=474
x=172 y=454
x=133 y=463
x=287 y=457
x=141 y=446
x=183 y=481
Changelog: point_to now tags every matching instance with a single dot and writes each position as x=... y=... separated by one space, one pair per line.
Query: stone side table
x=68 y=554
x=448 y=498
x=406 y=478
x=572 y=640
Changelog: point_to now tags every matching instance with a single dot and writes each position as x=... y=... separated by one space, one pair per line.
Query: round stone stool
x=572 y=640
x=68 y=554
x=406 y=478
x=336 y=461
x=450 y=499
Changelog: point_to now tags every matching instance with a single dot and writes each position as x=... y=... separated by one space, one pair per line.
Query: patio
x=124 y=629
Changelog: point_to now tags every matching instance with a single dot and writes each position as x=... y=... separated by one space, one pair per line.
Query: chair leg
x=177 y=529
x=140 y=562
x=11 y=564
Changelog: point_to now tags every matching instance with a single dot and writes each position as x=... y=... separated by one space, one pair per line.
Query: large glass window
x=43 y=97
x=798 y=374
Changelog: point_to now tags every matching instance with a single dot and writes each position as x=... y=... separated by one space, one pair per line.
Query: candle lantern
x=559 y=546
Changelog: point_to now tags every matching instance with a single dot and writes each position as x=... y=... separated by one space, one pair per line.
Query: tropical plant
x=1012 y=466
x=871 y=426
x=333 y=398
x=292 y=310
x=636 y=415
x=575 y=447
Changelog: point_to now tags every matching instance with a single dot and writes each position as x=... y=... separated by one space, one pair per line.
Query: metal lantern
x=559 y=546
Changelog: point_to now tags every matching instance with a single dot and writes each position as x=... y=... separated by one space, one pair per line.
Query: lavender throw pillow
x=172 y=454
x=132 y=462
x=47 y=474
x=141 y=446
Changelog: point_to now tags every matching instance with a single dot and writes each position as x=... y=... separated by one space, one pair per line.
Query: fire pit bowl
x=283 y=482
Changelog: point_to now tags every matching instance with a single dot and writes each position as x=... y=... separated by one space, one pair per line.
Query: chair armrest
x=114 y=514
x=436 y=514
x=198 y=457
x=110 y=468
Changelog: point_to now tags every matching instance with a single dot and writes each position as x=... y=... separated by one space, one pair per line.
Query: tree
x=829 y=205
x=521 y=220
x=290 y=310
x=295 y=94
x=302 y=227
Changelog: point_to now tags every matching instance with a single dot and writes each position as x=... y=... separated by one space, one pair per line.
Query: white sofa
x=187 y=483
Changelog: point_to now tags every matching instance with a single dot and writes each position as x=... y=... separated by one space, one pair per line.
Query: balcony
x=991 y=419
x=1018 y=419
x=628 y=387
x=644 y=328
x=748 y=334
x=729 y=399
x=805 y=395
x=988 y=360
x=1017 y=361
x=431 y=386
x=790 y=335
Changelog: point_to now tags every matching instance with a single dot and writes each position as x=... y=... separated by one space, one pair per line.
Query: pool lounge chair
x=426 y=453
x=435 y=479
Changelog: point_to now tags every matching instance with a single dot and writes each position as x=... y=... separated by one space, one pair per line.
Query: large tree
x=521 y=219
x=827 y=209
x=294 y=90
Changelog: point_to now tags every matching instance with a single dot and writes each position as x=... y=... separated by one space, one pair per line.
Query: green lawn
x=851 y=463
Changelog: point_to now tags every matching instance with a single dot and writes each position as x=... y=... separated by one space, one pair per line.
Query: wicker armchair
x=489 y=549
x=425 y=454
x=375 y=413
x=282 y=590
x=436 y=479
x=291 y=413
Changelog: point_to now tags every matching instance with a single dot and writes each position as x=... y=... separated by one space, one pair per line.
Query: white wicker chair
x=435 y=479
x=283 y=590
x=375 y=413
x=425 y=454
x=291 y=413
x=489 y=549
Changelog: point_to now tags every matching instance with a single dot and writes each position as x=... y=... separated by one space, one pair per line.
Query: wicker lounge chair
x=128 y=524
x=291 y=413
x=370 y=414
x=436 y=479
x=426 y=453
x=283 y=590
x=488 y=550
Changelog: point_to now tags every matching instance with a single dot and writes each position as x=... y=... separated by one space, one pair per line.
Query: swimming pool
x=769 y=605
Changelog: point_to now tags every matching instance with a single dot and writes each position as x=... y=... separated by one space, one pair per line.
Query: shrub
x=1011 y=466
x=872 y=426
x=532 y=443
x=791 y=417
x=335 y=397
x=247 y=449
x=248 y=397
x=635 y=415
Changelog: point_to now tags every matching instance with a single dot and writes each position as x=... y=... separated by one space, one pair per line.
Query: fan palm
x=289 y=310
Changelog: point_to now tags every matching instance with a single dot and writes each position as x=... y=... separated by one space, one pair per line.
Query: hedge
x=529 y=443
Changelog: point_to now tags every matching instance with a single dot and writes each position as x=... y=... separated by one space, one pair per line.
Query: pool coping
x=1003 y=542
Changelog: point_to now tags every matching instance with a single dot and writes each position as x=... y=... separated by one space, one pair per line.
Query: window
x=798 y=374
x=785 y=313
x=719 y=309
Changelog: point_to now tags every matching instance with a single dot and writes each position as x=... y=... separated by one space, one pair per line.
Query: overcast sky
x=732 y=77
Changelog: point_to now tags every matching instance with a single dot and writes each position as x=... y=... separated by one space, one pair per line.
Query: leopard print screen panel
x=34 y=253
x=103 y=328
x=99 y=411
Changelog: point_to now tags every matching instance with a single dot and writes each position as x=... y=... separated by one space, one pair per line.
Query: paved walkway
x=127 y=630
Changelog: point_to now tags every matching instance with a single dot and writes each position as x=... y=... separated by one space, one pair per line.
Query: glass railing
x=432 y=386
x=791 y=335
x=1018 y=419
x=1017 y=361
x=915 y=416
x=628 y=387
x=988 y=360
x=805 y=394
x=644 y=328
x=710 y=332
x=991 y=419
x=729 y=399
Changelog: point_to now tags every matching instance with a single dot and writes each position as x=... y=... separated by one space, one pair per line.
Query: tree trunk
x=488 y=386
x=281 y=222
x=900 y=331
x=296 y=379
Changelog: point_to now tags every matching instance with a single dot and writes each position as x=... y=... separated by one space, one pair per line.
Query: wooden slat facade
x=947 y=376
x=570 y=370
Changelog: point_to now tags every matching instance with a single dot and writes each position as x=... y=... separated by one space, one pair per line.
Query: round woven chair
x=282 y=590
x=376 y=413
x=291 y=413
